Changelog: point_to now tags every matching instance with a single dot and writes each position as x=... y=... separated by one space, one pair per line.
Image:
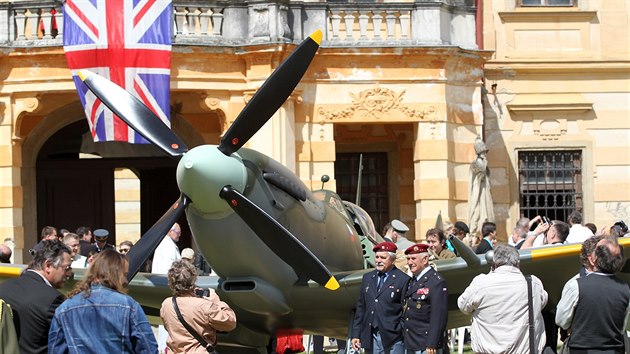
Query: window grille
x=550 y=183
x=374 y=185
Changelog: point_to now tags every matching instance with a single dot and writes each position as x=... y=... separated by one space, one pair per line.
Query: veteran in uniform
x=377 y=324
x=425 y=309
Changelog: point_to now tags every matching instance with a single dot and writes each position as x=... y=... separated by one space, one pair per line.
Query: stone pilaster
x=11 y=189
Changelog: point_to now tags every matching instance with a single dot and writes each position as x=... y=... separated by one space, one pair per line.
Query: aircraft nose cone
x=201 y=174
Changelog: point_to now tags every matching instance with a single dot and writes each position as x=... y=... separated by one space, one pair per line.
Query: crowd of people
x=46 y=321
x=402 y=306
x=404 y=309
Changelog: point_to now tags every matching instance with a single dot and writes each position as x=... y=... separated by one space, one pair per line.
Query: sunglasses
x=123 y=250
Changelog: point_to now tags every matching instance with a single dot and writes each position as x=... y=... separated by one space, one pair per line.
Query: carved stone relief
x=377 y=103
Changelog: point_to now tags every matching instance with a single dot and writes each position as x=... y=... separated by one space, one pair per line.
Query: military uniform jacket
x=383 y=308
x=425 y=311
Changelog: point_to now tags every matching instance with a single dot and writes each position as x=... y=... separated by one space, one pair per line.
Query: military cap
x=399 y=226
x=100 y=234
x=417 y=248
x=385 y=247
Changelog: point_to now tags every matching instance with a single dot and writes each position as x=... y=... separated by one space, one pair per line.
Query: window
x=550 y=183
x=374 y=191
x=547 y=2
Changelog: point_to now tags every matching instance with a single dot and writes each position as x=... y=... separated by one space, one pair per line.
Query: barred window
x=547 y=2
x=550 y=183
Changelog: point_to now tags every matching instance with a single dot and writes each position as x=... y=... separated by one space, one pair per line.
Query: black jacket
x=383 y=307
x=34 y=303
x=425 y=312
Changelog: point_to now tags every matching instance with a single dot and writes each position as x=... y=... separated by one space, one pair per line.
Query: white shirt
x=79 y=262
x=165 y=254
x=539 y=241
x=578 y=234
x=499 y=307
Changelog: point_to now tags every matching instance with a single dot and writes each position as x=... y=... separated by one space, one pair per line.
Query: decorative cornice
x=551 y=107
x=377 y=103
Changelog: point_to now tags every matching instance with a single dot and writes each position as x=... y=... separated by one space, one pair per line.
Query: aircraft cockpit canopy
x=364 y=221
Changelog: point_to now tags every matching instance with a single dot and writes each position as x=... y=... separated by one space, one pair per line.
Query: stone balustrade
x=25 y=23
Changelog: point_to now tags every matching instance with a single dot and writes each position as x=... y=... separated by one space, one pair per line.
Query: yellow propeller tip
x=317 y=36
x=332 y=284
x=83 y=74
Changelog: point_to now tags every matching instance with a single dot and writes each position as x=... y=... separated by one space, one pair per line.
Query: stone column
x=434 y=175
x=315 y=147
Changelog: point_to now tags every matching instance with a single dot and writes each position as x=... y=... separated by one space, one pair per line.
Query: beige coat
x=498 y=304
x=205 y=315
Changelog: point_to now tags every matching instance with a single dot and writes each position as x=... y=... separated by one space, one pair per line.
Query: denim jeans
x=377 y=346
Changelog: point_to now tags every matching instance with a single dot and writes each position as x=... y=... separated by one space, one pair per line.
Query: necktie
x=381 y=280
x=412 y=282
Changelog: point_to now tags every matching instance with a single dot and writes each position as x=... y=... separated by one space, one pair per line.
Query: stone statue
x=480 y=207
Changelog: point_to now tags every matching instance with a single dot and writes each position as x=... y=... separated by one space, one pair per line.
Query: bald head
x=608 y=256
x=5 y=254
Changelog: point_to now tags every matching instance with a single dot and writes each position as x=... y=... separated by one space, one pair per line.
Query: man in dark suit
x=377 y=324
x=425 y=307
x=33 y=295
x=85 y=241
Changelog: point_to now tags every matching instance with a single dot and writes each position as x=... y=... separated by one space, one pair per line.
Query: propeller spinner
x=272 y=94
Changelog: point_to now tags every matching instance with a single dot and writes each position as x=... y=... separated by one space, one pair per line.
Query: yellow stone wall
x=562 y=82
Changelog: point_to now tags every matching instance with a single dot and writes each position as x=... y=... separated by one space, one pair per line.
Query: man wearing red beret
x=377 y=325
x=425 y=310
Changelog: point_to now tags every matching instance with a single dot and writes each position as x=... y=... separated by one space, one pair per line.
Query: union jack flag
x=127 y=41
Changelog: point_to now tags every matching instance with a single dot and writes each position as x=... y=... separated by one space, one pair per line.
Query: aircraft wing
x=315 y=309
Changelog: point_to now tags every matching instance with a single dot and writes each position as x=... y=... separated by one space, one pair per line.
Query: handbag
x=209 y=347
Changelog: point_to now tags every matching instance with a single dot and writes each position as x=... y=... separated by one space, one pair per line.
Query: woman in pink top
x=204 y=315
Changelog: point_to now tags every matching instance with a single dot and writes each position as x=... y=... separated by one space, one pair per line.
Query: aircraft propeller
x=269 y=230
x=133 y=112
x=271 y=95
x=152 y=238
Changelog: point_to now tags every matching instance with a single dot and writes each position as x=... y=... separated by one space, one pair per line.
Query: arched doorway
x=77 y=189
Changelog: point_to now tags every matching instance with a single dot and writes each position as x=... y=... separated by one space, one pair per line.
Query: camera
x=622 y=225
x=202 y=292
x=546 y=220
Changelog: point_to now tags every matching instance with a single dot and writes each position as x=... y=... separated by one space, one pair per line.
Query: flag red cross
x=117 y=56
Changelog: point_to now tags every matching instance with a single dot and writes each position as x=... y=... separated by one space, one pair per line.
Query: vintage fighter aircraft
x=286 y=257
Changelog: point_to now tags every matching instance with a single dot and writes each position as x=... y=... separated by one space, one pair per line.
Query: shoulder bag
x=197 y=336
x=530 y=310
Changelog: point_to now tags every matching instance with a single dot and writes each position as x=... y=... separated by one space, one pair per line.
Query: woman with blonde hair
x=98 y=317
x=192 y=320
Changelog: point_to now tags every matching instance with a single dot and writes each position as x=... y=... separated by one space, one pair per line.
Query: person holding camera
x=192 y=319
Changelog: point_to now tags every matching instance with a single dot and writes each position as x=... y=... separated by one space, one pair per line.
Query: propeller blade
x=133 y=112
x=279 y=239
x=152 y=238
x=271 y=95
